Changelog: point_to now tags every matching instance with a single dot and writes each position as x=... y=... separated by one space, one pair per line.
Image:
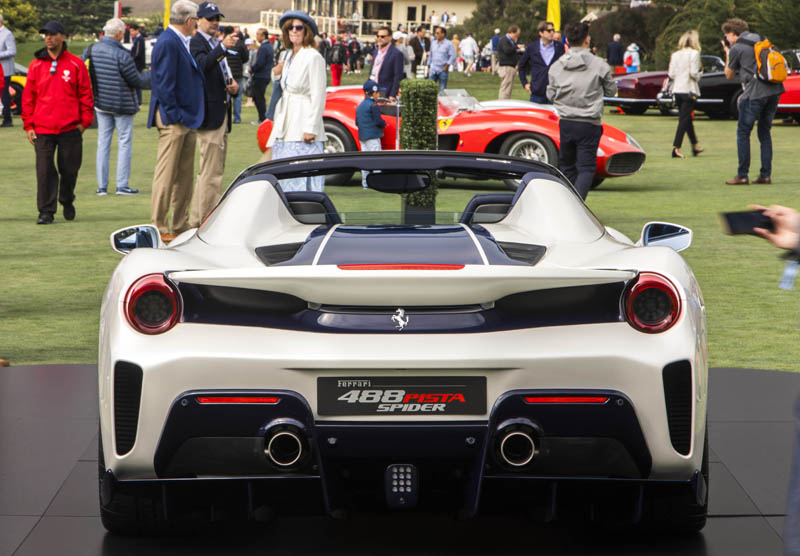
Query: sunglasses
x=296 y=27
x=53 y=67
x=550 y=30
x=381 y=36
x=215 y=18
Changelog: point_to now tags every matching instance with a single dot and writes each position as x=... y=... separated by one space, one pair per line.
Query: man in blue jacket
x=115 y=81
x=261 y=72
x=177 y=108
x=387 y=65
x=539 y=56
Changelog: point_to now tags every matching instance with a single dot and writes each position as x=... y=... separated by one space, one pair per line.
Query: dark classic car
x=638 y=91
x=719 y=97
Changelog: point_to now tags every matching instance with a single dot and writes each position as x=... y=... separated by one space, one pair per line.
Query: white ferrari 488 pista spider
x=517 y=356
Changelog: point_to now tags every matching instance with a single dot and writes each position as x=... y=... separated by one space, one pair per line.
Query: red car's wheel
x=338 y=140
x=530 y=146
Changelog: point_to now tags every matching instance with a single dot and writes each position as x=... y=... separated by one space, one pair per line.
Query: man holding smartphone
x=759 y=100
x=210 y=54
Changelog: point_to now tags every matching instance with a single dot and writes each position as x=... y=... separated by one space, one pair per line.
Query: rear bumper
x=583 y=451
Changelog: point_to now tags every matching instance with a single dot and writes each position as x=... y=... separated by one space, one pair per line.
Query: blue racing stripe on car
x=400 y=244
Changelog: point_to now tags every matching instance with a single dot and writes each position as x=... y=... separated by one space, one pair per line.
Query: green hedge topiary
x=418 y=128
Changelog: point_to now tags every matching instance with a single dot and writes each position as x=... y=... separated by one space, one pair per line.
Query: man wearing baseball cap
x=210 y=54
x=57 y=106
x=369 y=122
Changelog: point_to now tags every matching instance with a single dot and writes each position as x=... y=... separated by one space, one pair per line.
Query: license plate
x=411 y=395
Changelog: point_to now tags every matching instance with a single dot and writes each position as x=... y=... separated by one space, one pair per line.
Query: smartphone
x=744 y=222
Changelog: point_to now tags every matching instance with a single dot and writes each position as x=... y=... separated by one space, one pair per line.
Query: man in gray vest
x=115 y=81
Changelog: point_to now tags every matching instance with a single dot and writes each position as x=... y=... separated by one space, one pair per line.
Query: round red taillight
x=153 y=304
x=652 y=303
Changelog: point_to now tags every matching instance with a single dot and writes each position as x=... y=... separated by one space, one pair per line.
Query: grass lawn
x=54 y=276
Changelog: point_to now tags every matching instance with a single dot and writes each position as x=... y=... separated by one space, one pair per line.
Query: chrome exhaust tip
x=284 y=448
x=517 y=448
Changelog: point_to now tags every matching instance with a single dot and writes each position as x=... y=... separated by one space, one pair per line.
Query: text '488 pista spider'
x=516 y=357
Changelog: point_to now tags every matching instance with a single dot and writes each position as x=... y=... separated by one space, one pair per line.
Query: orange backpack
x=771 y=66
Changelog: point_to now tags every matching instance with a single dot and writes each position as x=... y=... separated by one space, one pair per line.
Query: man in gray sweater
x=115 y=81
x=578 y=81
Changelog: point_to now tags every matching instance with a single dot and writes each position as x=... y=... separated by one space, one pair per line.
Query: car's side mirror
x=666 y=234
x=127 y=239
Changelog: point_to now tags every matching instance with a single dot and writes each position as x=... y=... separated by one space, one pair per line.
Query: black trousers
x=6 y=99
x=259 y=92
x=57 y=184
x=578 y=155
x=685 y=125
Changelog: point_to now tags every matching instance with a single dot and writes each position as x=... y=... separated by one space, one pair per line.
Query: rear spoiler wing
x=471 y=284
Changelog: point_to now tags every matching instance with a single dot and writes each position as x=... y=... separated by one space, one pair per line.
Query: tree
x=491 y=14
x=778 y=20
x=78 y=16
x=639 y=25
x=706 y=16
x=20 y=16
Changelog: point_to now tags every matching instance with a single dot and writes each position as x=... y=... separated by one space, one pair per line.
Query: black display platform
x=48 y=486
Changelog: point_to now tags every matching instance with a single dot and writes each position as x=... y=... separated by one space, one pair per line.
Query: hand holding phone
x=744 y=222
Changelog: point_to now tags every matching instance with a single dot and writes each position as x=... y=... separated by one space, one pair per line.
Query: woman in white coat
x=685 y=71
x=298 y=128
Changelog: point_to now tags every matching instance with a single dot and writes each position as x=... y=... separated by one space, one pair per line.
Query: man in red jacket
x=57 y=106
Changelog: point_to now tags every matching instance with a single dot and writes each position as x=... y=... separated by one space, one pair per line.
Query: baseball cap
x=208 y=10
x=371 y=87
x=398 y=35
x=53 y=27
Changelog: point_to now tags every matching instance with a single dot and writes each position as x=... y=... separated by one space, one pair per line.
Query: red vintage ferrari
x=510 y=127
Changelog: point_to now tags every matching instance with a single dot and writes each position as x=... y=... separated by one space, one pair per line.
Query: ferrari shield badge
x=400 y=319
x=444 y=123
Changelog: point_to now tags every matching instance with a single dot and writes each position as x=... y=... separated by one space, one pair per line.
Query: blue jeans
x=540 y=99
x=106 y=122
x=761 y=109
x=440 y=77
x=237 y=102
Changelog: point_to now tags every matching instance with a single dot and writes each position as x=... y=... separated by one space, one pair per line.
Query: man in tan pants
x=507 y=58
x=177 y=108
x=210 y=52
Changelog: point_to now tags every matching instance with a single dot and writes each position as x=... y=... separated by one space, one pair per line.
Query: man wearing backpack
x=759 y=100
x=337 y=56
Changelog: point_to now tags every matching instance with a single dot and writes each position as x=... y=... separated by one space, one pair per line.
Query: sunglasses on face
x=549 y=30
x=215 y=18
x=381 y=36
x=296 y=27
x=53 y=66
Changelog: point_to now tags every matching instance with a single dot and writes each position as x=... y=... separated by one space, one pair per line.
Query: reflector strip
x=566 y=399
x=269 y=400
x=401 y=266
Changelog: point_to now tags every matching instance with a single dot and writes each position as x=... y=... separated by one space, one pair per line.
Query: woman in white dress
x=298 y=128
x=685 y=71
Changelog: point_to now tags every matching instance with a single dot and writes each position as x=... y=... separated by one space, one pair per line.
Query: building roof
x=238 y=11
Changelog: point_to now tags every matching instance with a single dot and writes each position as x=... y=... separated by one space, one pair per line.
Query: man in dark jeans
x=237 y=57
x=261 y=70
x=578 y=81
x=138 y=54
x=759 y=100
x=57 y=106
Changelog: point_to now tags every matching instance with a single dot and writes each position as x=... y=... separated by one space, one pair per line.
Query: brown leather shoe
x=166 y=238
x=4 y=363
x=738 y=181
x=761 y=179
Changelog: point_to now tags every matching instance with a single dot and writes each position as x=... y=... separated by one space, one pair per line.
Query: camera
x=226 y=29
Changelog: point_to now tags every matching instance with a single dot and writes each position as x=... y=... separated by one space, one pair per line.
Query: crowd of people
x=201 y=70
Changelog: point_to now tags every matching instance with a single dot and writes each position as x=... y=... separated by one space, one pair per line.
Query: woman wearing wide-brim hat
x=298 y=128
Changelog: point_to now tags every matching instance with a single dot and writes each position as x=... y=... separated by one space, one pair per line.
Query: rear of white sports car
x=270 y=364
